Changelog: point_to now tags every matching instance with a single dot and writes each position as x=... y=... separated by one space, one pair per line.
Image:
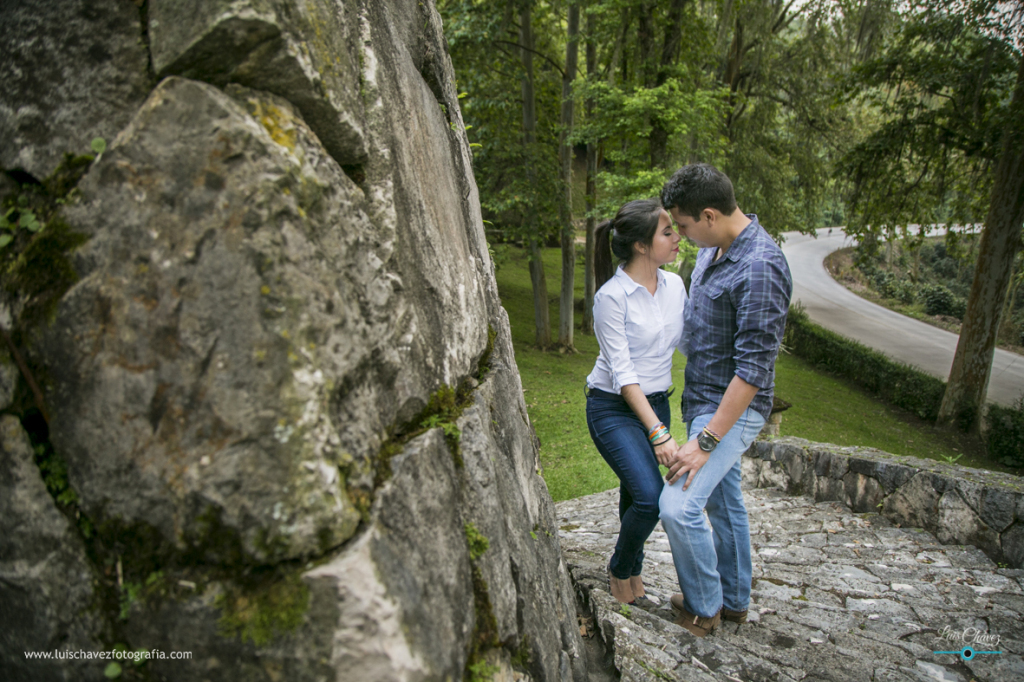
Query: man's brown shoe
x=727 y=614
x=734 y=616
x=698 y=625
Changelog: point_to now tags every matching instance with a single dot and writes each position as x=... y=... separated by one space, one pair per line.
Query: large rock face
x=283 y=386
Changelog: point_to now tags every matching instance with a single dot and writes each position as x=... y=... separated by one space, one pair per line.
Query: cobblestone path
x=836 y=596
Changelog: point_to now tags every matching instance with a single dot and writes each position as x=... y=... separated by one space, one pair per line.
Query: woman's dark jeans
x=621 y=438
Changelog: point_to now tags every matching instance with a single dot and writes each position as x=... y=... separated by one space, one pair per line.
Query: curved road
x=833 y=306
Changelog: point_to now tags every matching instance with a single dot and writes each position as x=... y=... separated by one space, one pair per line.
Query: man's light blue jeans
x=713 y=568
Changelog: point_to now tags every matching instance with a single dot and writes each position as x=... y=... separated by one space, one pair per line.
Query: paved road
x=834 y=307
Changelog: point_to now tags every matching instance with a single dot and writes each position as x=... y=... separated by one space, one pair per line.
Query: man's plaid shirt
x=735 y=320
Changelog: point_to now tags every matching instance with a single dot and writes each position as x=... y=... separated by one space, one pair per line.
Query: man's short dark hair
x=697 y=186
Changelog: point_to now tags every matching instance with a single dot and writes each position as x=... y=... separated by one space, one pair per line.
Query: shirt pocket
x=713 y=291
x=706 y=299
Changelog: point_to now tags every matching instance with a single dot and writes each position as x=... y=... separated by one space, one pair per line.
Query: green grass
x=825 y=409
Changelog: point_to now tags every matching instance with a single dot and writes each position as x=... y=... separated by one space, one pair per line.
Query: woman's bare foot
x=637 y=585
x=620 y=589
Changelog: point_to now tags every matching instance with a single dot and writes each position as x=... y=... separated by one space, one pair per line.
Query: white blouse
x=637 y=332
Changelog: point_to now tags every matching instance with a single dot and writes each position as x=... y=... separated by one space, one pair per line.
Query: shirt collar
x=745 y=240
x=630 y=286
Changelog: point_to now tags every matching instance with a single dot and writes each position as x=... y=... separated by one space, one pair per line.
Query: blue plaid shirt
x=735 y=320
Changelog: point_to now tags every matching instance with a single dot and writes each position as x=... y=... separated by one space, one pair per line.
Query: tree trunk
x=968 y=379
x=537 y=279
x=566 y=309
x=647 y=70
x=589 y=281
x=539 y=283
x=669 y=56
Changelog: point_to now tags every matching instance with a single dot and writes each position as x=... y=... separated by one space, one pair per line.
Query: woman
x=638 y=320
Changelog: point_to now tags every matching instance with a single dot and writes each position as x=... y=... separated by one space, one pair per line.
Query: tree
x=566 y=307
x=1000 y=241
x=590 y=282
x=745 y=84
x=537 y=278
x=949 y=148
x=510 y=97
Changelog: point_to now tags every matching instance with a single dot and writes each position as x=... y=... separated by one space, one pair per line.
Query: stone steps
x=836 y=596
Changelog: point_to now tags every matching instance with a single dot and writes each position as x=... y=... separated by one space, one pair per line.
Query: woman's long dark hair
x=635 y=222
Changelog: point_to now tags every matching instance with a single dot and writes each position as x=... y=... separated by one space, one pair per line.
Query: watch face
x=706 y=442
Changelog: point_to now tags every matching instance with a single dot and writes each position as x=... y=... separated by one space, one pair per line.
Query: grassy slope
x=824 y=408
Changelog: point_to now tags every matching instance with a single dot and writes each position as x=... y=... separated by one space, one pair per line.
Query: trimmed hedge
x=1005 y=437
x=898 y=384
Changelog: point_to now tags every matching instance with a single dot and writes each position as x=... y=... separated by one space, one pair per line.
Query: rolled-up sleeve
x=610 y=329
x=762 y=302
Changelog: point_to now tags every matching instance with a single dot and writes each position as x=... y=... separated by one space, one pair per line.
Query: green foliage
x=941 y=92
x=485 y=630
x=751 y=87
x=154 y=587
x=523 y=655
x=890 y=285
x=939 y=300
x=481 y=671
x=477 y=541
x=951 y=459
x=112 y=671
x=893 y=382
x=268 y=610
x=130 y=593
x=35 y=242
x=483 y=366
x=1005 y=436
x=482 y=40
x=55 y=474
x=443 y=410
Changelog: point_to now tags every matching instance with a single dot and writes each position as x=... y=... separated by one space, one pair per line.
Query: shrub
x=939 y=300
x=890 y=286
x=898 y=384
x=1005 y=437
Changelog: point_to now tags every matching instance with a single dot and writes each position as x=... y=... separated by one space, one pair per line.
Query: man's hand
x=687 y=462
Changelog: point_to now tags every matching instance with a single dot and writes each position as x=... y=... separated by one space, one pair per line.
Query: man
x=739 y=297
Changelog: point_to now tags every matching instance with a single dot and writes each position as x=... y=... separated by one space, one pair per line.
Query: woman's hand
x=665 y=452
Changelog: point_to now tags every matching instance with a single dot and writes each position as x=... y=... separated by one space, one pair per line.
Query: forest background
x=872 y=114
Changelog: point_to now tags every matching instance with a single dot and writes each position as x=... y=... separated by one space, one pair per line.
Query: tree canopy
x=871 y=114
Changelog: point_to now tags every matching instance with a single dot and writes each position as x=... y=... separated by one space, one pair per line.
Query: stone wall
x=958 y=504
x=282 y=397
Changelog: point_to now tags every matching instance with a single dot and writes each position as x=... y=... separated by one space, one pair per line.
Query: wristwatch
x=706 y=442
